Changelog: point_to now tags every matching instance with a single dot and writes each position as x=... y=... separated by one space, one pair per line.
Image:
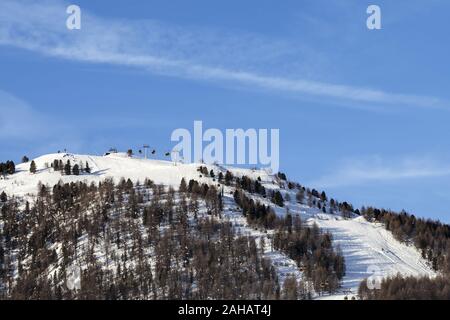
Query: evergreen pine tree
x=56 y=166
x=3 y=197
x=33 y=167
x=228 y=178
x=183 y=185
x=76 y=170
x=282 y=176
x=10 y=167
x=300 y=196
x=87 y=169
x=68 y=168
x=278 y=199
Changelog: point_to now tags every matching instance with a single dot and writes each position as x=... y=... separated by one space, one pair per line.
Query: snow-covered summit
x=114 y=165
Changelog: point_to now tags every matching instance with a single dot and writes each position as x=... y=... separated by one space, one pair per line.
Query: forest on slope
x=432 y=238
x=135 y=240
x=149 y=241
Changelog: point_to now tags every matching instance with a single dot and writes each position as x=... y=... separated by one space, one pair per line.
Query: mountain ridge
x=368 y=248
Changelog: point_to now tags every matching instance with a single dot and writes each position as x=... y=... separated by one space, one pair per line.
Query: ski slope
x=115 y=166
x=370 y=250
x=367 y=247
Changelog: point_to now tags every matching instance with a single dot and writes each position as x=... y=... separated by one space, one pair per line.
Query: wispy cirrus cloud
x=375 y=169
x=197 y=54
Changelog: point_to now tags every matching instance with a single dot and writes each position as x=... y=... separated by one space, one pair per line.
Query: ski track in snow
x=367 y=248
x=365 y=245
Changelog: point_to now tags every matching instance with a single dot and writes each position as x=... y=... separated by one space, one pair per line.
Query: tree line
x=432 y=238
x=408 y=288
x=7 y=168
x=313 y=251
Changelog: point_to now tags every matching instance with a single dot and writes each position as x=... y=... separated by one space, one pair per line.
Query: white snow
x=284 y=265
x=370 y=249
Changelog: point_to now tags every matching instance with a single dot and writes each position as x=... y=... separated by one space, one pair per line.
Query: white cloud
x=174 y=51
x=375 y=169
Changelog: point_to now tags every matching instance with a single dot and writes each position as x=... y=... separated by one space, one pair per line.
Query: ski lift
x=110 y=151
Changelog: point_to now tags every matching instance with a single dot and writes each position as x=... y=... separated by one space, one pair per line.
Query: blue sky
x=362 y=114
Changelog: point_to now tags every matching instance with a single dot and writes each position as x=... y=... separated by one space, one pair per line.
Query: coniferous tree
x=11 y=167
x=228 y=178
x=3 y=197
x=290 y=290
x=25 y=159
x=278 y=199
x=282 y=176
x=68 y=168
x=33 y=167
x=183 y=186
x=87 y=169
x=300 y=196
x=76 y=170
x=3 y=170
x=7 y=168
x=55 y=165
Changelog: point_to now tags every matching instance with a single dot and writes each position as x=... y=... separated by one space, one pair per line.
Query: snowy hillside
x=366 y=246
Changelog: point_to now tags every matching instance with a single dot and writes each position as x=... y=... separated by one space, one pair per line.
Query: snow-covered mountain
x=369 y=249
